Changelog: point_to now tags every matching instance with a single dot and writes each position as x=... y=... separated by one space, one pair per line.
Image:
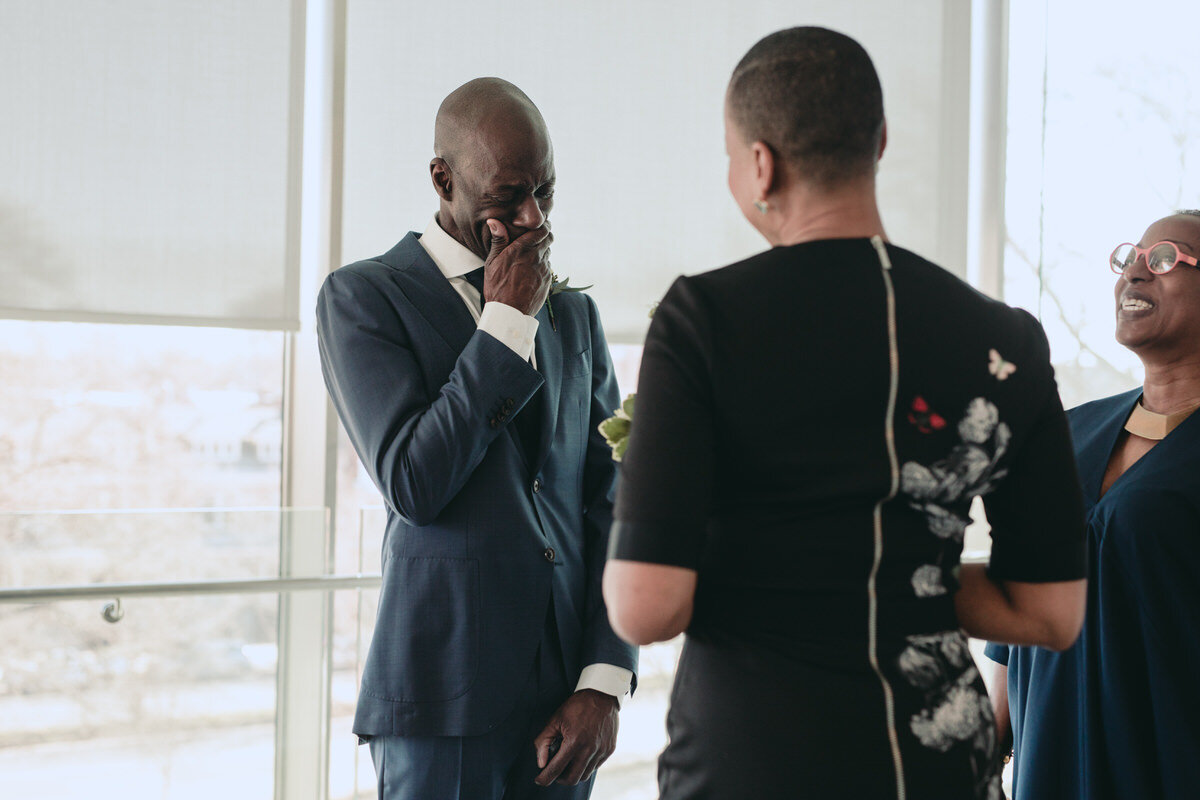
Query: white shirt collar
x=451 y=257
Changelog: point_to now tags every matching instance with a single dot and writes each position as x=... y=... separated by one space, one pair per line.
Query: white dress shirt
x=516 y=331
x=510 y=326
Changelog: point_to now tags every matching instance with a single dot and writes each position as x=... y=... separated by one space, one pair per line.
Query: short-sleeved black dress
x=812 y=425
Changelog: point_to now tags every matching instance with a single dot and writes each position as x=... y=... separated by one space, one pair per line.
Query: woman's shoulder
x=946 y=302
x=948 y=289
x=730 y=280
x=737 y=273
x=775 y=273
x=841 y=263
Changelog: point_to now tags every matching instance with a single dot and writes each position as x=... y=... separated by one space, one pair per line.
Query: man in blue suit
x=472 y=398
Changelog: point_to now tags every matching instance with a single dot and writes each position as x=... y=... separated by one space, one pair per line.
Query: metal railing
x=46 y=594
x=114 y=612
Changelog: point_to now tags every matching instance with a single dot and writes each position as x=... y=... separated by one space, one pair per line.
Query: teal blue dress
x=1118 y=714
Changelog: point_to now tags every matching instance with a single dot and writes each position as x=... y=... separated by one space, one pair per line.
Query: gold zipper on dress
x=885 y=264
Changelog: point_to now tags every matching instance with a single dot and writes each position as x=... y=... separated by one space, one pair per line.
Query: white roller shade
x=632 y=92
x=149 y=161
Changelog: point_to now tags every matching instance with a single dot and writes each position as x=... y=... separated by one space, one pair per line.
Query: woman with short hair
x=1116 y=716
x=812 y=426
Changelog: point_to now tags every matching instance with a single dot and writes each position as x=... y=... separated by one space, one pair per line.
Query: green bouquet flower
x=616 y=428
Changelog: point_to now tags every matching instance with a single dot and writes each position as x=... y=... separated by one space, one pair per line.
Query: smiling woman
x=1158 y=296
x=1139 y=462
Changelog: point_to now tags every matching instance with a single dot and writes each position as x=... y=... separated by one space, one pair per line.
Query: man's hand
x=586 y=725
x=518 y=273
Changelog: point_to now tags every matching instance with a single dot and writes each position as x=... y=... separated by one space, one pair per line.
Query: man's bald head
x=479 y=112
x=493 y=160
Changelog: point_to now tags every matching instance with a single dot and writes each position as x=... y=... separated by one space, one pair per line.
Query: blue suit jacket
x=480 y=534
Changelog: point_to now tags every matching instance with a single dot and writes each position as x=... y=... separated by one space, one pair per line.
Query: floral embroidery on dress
x=955 y=710
x=925 y=420
x=927 y=581
x=967 y=472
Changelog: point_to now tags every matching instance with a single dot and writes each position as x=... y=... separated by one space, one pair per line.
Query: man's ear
x=439 y=171
x=765 y=176
x=882 y=141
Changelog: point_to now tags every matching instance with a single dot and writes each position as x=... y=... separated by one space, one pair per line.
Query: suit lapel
x=431 y=294
x=442 y=307
x=548 y=346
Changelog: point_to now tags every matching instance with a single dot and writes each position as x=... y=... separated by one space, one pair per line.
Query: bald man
x=493 y=672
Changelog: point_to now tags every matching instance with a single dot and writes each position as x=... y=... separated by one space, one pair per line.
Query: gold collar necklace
x=1155 y=427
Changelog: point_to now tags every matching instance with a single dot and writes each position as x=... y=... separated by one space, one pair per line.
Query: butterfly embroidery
x=925 y=420
x=998 y=366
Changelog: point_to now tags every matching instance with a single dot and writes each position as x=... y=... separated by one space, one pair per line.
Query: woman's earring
x=761 y=205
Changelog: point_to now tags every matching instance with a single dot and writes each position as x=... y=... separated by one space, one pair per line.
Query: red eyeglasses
x=1161 y=257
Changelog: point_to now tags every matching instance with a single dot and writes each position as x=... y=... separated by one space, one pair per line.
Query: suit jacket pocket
x=577 y=364
x=426 y=643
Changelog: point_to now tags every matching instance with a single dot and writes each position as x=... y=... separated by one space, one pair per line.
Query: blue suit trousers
x=498 y=765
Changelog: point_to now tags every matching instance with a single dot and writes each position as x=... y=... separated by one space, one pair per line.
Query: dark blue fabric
x=481 y=533
x=499 y=765
x=1118 y=714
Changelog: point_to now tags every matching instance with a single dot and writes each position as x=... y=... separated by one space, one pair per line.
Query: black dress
x=811 y=427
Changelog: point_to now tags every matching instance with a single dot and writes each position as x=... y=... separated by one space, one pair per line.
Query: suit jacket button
x=537 y=485
x=508 y=404
x=492 y=422
x=549 y=554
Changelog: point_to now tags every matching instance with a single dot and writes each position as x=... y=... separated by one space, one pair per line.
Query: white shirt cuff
x=606 y=678
x=511 y=327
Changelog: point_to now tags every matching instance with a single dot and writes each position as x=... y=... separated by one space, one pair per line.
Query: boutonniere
x=559 y=287
x=615 y=429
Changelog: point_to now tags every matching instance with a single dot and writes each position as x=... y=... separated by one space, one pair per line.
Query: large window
x=1103 y=139
x=150 y=176
x=154 y=176
x=124 y=416
x=111 y=436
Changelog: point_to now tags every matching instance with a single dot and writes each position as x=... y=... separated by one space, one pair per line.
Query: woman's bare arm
x=648 y=603
x=1048 y=615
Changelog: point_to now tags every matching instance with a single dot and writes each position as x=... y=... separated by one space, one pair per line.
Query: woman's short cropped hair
x=813 y=96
